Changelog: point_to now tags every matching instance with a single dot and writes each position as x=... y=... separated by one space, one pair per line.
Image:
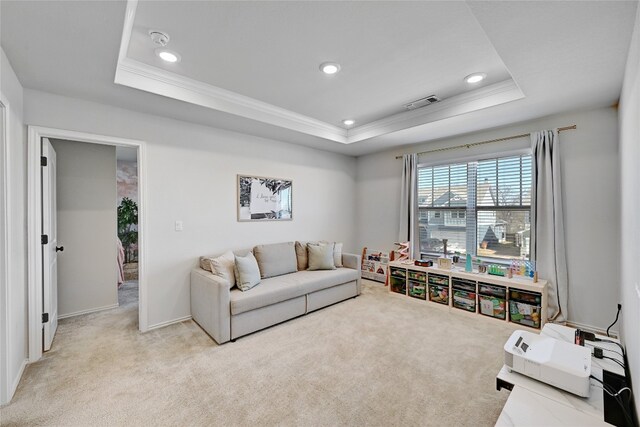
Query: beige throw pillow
x=321 y=256
x=276 y=259
x=224 y=267
x=247 y=272
x=301 y=256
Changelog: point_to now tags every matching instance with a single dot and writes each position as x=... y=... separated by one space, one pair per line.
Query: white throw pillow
x=321 y=256
x=247 y=272
x=224 y=267
x=337 y=254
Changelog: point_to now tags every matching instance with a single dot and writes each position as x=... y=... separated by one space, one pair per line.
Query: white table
x=534 y=403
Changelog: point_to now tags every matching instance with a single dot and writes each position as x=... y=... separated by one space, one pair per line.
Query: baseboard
x=589 y=328
x=168 y=322
x=91 y=310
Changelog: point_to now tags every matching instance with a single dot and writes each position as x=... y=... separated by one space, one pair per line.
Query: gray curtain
x=409 y=205
x=547 y=236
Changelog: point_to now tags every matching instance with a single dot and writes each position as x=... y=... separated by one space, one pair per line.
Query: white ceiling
x=390 y=54
x=562 y=56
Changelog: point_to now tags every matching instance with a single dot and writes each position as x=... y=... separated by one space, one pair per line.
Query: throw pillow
x=321 y=256
x=247 y=272
x=205 y=262
x=224 y=267
x=337 y=254
x=276 y=259
x=301 y=256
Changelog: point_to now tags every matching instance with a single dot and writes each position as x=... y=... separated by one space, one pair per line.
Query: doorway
x=38 y=321
x=127 y=213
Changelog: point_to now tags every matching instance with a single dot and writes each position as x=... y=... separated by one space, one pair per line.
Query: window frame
x=472 y=193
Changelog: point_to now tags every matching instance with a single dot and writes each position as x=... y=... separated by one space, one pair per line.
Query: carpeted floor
x=379 y=359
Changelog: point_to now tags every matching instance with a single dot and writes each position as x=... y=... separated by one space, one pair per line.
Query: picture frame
x=263 y=198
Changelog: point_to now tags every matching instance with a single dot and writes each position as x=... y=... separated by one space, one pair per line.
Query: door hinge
x=44 y=239
x=43 y=161
x=45 y=317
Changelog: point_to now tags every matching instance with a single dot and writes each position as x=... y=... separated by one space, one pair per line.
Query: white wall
x=630 y=196
x=590 y=171
x=191 y=176
x=87 y=227
x=14 y=357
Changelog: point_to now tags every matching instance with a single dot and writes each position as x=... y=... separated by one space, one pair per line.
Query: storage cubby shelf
x=517 y=300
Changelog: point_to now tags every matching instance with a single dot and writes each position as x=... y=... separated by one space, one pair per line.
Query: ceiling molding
x=138 y=75
x=485 y=97
x=145 y=77
x=141 y=76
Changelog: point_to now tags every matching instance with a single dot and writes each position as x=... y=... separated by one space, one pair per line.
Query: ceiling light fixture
x=475 y=77
x=330 y=67
x=167 y=55
x=348 y=122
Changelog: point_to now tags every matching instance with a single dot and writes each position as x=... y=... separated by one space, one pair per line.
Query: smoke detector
x=422 y=102
x=159 y=38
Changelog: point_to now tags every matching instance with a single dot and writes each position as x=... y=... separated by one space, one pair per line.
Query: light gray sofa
x=226 y=314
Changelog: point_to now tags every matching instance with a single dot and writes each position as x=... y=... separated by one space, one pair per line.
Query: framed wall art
x=264 y=199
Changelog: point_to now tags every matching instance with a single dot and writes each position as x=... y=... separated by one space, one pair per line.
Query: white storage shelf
x=415 y=281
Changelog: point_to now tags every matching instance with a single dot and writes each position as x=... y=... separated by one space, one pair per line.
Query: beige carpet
x=379 y=359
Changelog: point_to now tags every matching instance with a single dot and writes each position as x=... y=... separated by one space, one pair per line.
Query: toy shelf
x=516 y=300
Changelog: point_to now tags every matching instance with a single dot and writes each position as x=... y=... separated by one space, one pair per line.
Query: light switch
x=179 y=226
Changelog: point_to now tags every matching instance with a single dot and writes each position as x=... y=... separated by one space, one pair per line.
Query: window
x=482 y=208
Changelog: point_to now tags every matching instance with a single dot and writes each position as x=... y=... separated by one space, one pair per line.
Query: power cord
x=616 y=396
x=615 y=321
x=615 y=360
x=595 y=347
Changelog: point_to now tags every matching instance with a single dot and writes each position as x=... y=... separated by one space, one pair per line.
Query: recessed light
x=475 y=77
x=167 y=55
x=330 y=67
x=348 y=122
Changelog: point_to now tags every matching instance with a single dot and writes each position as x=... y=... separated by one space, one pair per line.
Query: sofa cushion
x=282 y=288
x=321 y=256
x=315 y=280
x=271 y=291
x=276 y=259
x=224 y=267
x=247 y=272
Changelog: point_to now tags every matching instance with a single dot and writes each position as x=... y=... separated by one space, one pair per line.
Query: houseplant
x=128 y=229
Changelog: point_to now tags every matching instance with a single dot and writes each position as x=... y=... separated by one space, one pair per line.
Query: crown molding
x=138 y=75
x=145 y=77
x=485 y=97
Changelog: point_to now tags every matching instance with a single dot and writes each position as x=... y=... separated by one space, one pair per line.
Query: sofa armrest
x=351 y=261
x=210 y=304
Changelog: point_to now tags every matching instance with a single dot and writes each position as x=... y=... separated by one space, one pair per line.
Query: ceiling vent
x=422 y=102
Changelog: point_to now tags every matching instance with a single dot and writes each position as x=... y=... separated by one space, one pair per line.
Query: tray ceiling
x=260 y=60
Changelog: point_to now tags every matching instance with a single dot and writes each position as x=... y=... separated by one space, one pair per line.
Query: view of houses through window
x=482 y=208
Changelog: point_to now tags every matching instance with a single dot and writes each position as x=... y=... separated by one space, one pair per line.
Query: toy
x=403 y=250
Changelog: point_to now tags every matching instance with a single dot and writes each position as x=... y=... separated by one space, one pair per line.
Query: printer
x=558 y=363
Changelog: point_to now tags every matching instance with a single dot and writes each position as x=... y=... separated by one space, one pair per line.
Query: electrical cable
x=605 y=349
x=615 y=321
x=612 y=342
x=616 y=396
x=615 y=360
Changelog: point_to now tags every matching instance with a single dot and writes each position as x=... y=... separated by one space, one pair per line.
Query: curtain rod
x=490 y=141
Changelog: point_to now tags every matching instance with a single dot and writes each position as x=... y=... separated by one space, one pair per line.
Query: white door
x=50 y=249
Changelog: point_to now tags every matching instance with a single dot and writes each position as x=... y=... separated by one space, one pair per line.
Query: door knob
x=59 y=248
